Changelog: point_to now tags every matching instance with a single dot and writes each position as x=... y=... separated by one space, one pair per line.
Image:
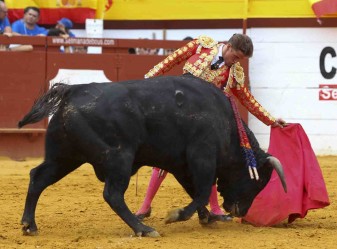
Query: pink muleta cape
x=306 y=187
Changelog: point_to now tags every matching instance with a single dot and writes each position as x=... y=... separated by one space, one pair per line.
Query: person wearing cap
x=217 y=63
x=62 y=34
x=65 y=25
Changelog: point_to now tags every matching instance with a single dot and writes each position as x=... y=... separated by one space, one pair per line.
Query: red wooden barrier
x=22 y=79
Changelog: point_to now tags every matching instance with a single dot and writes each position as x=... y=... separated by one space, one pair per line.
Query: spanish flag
x=53 y=10
x=323 y=7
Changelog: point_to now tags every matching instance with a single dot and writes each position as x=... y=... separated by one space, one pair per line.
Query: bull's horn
x=275 y=163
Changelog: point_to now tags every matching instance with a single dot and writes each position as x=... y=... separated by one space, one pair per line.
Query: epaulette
x=206 y=41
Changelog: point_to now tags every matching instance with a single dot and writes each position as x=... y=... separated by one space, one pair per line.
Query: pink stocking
x=152 y=189
x=213 y=202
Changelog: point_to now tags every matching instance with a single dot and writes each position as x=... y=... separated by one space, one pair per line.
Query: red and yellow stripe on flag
x=323 y=7
x=54 y=10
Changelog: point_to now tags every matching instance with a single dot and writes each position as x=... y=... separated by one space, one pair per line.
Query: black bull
x=181 y=124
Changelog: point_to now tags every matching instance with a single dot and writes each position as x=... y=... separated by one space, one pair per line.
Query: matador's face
x=231 y=55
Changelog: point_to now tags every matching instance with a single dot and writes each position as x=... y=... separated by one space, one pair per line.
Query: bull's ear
x=276 y=164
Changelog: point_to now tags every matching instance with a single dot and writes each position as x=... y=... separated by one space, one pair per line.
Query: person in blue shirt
x=5 y=29
x=65 y=25
x=5 y=26
x=28 y=24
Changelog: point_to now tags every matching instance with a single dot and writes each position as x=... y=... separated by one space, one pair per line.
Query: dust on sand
x=73 y=214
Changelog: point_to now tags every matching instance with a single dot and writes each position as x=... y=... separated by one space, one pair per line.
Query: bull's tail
x=45 y=105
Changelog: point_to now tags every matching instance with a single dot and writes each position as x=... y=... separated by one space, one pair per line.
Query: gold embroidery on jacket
x=173 y=59
x=238 y=74
x=201 y=68
x=206 y=41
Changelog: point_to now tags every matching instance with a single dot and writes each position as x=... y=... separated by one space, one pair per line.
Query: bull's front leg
x=118 y=172
x=187 y=183
x=202 y=168
x=197 y=204
x=114 y=196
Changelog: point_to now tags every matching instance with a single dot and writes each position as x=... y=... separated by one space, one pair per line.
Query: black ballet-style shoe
x=223 y=217
x=141 y=217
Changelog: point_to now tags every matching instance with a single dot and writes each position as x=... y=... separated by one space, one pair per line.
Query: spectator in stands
x=67 y=49
x=188 y=38
x=80 y=49
x=5 y=26
x=132 y=51
x=65 y=25
x=15 y=47
x=147 y=51
x=57 y=32
x=62 y=34
x=28 y=24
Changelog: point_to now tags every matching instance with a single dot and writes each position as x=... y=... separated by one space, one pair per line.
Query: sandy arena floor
x=73 y=214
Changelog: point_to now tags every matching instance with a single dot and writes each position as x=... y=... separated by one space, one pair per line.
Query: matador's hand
x=279 y=123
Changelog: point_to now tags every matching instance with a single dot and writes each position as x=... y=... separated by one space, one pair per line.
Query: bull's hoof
x=27 y=231
x=203 y=221
x=153 y=234
x=173 y=215
x=148 y=233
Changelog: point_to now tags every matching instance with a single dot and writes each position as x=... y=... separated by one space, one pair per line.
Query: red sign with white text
x=327 y=92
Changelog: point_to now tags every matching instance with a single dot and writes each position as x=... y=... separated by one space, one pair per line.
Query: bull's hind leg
x=41 y=177
x=201 y=163
x=118 y=173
